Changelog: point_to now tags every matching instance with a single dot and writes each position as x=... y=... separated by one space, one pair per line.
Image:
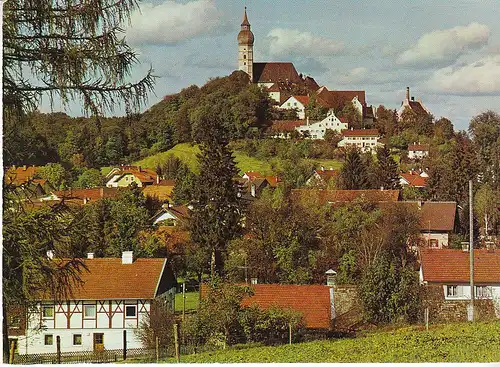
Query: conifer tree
x=353 y=174
x=387 y=175
x=215 y=219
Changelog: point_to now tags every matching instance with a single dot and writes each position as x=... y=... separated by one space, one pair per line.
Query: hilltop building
x=409 y=102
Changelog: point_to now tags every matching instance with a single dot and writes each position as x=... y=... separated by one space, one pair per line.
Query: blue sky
x=447 y=52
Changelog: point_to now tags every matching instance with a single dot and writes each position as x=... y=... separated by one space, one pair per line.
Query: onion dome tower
x=245 y=47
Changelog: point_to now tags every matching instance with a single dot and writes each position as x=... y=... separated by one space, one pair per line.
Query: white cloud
x=480 y=77
x=280 y=41
x=445 y=46
x=172 y=22
x=354 y=76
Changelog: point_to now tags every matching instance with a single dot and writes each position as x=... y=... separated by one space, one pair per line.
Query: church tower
x=245 y=47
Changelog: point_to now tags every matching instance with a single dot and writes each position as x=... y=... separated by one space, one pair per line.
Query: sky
x=447 y=52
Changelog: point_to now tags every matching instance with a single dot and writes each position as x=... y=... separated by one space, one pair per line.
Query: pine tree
x=215 y=219
x=388 y=176
x=353 y=174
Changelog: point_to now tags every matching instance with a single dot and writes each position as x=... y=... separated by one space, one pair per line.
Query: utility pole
x=471 y=254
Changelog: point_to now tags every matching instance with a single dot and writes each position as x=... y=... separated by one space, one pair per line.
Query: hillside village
x=337 y=216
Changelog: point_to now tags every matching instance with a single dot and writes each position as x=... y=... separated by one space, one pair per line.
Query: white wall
x=442 y=239
x=33 y=341
x=364 y=143
x=417 y=154
x=292 y=103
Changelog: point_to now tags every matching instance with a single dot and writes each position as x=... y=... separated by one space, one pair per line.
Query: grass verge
x=462 y=342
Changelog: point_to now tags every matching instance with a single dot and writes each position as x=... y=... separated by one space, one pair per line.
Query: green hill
x=187 y=153
x=464 y=342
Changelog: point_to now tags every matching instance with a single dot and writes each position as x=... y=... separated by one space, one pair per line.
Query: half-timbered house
x=115 y=295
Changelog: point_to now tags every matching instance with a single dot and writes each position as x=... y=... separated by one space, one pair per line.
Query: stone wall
x=443 y=310
x=348 y=309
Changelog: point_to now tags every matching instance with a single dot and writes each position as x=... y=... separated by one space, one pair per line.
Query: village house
x=417 y=151
x=445 y=275
x=321 y=177
x=115 y=296
x=171 y=215
x=298 y=103
x=124 y=176
x=411 y=104
x=437 y=222
x=81 y=196
x=413 y=179
x=310 y=130
x=253 y=175
x=367 y=140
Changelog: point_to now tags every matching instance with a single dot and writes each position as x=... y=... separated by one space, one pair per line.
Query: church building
x=281 y=79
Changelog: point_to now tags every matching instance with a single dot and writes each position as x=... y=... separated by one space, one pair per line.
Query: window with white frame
x=130 y=311
x=482 y=291
x=452 y=291
x=89 y=311
x=47 y=311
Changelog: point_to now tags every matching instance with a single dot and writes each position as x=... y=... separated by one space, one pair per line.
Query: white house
x=296 y=102
x=115 y=295
x=417 y=151
x=367 y=140
x=446 y=274
x=171 y=215
x=316 y=130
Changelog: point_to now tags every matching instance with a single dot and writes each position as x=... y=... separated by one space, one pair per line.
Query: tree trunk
x=5 y=340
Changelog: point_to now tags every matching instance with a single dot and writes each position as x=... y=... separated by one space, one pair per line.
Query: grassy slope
x=187 y=153
x=192 y=300
x=448 y=343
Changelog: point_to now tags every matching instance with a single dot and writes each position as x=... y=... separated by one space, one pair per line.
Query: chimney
x=127 y=257
x=465 y=246
x=50 y=254
x=381 y=188
x=254 y=281
x=408 y=93
x=157 y=179
x=413 y=99
x=322 y=168
x=252 y=190
x=101 y=192
x=331 y=276
x=90 y=255
x=24 y=168
x=85 y=201
x=307 y=121
x=139 y=168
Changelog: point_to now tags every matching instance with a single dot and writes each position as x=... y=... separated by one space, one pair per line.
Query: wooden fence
x=104 y=356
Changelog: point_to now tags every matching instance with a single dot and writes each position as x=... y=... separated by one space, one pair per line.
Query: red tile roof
x=20 y=175
x=310 y=83
x=338 y=98
x=92 y=194
x=327 y=174
x=341 y=196
x=253 y=174
x=272 y=72
x=418 y=147
x=313 y=301
x=285 y=125
x=108 y=278
x=439 y=215
x=273 y=180
x=360 y=132
x=414 y=179
x=452 y=266
x=417 y=107
x=302 y=99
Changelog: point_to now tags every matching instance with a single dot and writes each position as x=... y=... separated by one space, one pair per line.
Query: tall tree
x=485 y=131
x=71 y=50
x=353 y=174
x=387 y=170
x=215 y=219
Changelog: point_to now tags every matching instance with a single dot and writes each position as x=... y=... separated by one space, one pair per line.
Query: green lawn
x=444 y=343
x=187 y=153
x=192 y=300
